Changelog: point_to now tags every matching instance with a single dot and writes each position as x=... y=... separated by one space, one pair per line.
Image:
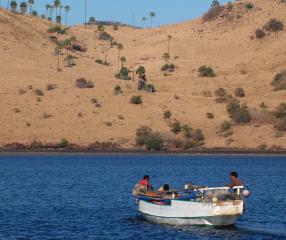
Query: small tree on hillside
x=31 y=3
x=215 y=3
x=23 y=7
x=119 y=48
x=100 y=28
x=144 y=19
x=123 y=60
x=13 y=6
x=166 y=57
x=152 y=15
x=67 y=9
x=58 y=51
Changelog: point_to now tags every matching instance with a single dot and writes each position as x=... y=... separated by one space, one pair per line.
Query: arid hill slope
x=28 y=63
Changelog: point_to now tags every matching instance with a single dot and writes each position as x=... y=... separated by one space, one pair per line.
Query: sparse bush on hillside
x=140 y=70
x=56 y=29
x=83 y=83
x=280 y=124
x=239 y=92
x=198 y=136
x=123 y=74
x=176 y=127
x=221 y=95
x=51 y=87
x=210 y=115
x=39 y=92
x=149 y=88
x=167 y=114
x=280 y=111
x=137 y=99
x=187 y=131
x=155 y=142
x=152 y=141
x=259 y=33
x=220 y=92
x=263 y=106
x=274 y=25
x=168 y=67
x=213 y=13
x=279 y=81
x=249 y=6
x=238 y=113
x=63 y=143
x=262 y=146
x=34 y=13
x=206 y=71
x=117 y=90
x=225 y=129
x=70 y=61
x=99 y=61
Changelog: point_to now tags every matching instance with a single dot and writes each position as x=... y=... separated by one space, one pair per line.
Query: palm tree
x=23 y=7
x=84 y=13
x=144 y=19
x=58 y=51
x=31 y=2
x=8 y=4
x=47 y=6
x=57 y=3
x=123 y=60
x=51 y=12
x=67 y=9
x=166 y=57
x=100 y=28
x=152 y=15
x=169 y=40
x=119 y=48
x=13 y=6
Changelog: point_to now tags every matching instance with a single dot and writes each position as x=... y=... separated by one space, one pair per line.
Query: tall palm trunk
x=66 y=17
x=8 y=4
x=30 y=9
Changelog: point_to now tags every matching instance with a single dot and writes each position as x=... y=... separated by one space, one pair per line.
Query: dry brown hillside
x=227 y=44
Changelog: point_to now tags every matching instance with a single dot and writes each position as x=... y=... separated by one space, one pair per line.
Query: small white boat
x=202 y=206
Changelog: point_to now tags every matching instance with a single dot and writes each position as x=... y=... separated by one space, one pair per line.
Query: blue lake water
x=89 y=196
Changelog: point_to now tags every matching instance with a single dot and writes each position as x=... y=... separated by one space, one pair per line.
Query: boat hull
x=192 y=213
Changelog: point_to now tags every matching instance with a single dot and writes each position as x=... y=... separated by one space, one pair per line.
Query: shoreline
x=145 y=152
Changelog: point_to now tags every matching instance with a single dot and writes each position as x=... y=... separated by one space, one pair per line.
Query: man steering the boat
x=235 y=181
x=146 y=183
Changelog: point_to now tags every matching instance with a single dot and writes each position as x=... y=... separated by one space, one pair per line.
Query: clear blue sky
x=167 y=11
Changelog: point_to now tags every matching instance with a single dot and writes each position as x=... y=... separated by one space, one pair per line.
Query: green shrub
x=239 y=92
x=210 y=115
x=168 y=67
x=213 y=13
x=262 y=146
x=206 y=71
x=279 y=81
x=187 y=131
x=117 y=90
x=142 y=135
x=63 y=143
x=220 y=92
x=152 y=141
x=274 y=25
x=34 y=13
x=123 y=74
x=249 y=6
x=149 y=88
x=176 y=127
x=225 y=129
x=280 y=111
x=263 y=106
x=259 y=33
x=83 y=83
x=155 y=142
x=136 y=99
x=280 y=124
x=99 y=61
x=242 y=115
x=140 y=70
x=238 y=113
x=167 y=114
x=198 y=136
x=56 y=29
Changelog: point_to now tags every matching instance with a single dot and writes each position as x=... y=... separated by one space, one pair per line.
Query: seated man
x=163 y=189
x=235 y=181
x=143 y=186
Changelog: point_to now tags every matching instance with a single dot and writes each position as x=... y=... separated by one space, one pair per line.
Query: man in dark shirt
x=235 y=181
